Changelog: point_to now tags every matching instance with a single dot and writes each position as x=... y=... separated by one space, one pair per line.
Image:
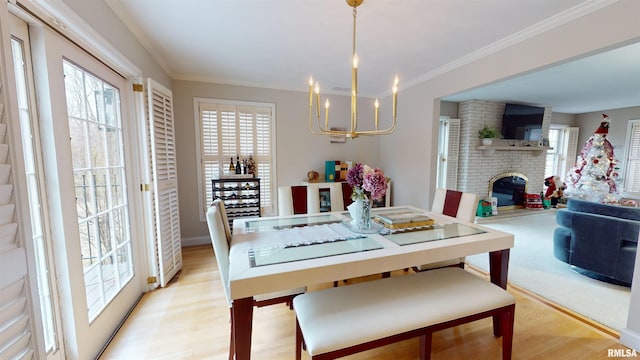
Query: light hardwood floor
x=189 y=319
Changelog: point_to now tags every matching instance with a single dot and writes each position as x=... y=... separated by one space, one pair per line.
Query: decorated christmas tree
x=595 y=176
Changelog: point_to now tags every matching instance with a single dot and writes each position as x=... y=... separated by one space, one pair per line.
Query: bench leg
x=425 y=346
x=507 y=320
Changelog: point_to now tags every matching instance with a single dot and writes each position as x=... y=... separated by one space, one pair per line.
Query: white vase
x=360 y=212
x=487 y=141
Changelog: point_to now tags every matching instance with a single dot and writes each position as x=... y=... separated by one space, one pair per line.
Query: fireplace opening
x=509 y=189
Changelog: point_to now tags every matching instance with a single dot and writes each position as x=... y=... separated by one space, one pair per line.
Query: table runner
x=310 y=242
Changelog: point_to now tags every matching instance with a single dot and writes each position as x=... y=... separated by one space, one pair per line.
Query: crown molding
x=59 y=16
x=576 y=12
x=123 y=14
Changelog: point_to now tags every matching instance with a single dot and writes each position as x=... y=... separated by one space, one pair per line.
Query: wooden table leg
x=242 y=326
x=498 y=271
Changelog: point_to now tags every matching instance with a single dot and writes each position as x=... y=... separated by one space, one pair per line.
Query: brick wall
x=476 y=168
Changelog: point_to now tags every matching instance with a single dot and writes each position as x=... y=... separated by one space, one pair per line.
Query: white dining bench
x=340 y=321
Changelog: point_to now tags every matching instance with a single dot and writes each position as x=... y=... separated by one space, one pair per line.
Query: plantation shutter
x=165 y=181
x=262 y=149
x=228 y=130
x=570 y=150
x=16 y=325
x=453 y=148
x=632 y=168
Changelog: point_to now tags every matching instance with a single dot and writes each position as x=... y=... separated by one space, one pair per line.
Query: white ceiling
x=280 y=43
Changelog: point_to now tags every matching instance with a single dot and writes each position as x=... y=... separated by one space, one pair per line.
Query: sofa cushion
x=623 y=212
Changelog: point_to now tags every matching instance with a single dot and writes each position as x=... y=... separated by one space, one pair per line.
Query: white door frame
x=83 y=338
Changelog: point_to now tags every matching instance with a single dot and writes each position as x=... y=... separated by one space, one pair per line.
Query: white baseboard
x=195 y=241
x=630 y=339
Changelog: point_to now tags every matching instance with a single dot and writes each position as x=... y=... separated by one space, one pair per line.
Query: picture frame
x=325 y=199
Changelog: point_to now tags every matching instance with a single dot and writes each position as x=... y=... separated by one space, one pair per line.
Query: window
x=632 y=158
x=93 y=107
x=552 y=166
x=448 y=143
x=228 y=130
x=562 y=155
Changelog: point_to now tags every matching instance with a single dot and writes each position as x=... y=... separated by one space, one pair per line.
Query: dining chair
x=336 y=196
x=468 y=207
x=305 y=199
x=458 y=204
x=298 y=199
x=218 y=227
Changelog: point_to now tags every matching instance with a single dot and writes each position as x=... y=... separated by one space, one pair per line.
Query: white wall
x=100 y=17
x=450 y=109
x=562 y=119
x=298 y=151
x=618 y=119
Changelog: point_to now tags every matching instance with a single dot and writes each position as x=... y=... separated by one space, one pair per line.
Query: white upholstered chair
x=460 y=205
x=298 y=199
x=454 y=203
x=468 y=207
x=218 y=230
x=438 y=200
x=305 y=199
x=337 y=199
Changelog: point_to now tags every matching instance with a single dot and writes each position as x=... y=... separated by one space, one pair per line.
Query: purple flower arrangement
x=367 y=182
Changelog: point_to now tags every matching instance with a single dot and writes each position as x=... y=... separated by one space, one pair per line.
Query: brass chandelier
x=352 y=132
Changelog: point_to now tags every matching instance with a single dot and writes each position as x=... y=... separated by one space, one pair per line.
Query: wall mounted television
x=522 y=122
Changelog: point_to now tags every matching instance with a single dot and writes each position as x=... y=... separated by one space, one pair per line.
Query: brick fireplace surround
x=476 y=168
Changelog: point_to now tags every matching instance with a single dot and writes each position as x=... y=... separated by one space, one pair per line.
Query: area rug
x=533 y=267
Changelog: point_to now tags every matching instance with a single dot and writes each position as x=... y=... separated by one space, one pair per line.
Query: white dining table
x=271 y=254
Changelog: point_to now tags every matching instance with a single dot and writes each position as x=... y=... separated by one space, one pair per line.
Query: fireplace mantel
x=488 y=150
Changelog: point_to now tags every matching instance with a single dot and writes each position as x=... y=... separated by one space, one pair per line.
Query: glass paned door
x=95 y=128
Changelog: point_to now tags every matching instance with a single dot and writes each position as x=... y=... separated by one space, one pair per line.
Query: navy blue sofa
x=599 y=240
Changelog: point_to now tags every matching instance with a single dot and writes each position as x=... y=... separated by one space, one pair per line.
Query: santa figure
x=555 y=189
x=595 y=174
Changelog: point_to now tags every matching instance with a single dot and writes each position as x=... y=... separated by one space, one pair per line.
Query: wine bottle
x=232 y=168
x=238 y=166
x=251 y=166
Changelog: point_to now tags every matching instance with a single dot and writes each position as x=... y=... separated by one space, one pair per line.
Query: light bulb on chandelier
x=352 y=132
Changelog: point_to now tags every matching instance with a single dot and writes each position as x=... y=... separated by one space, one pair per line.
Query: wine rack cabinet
x=241 y=196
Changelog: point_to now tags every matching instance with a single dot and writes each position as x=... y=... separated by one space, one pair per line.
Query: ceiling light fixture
x=352 y=132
